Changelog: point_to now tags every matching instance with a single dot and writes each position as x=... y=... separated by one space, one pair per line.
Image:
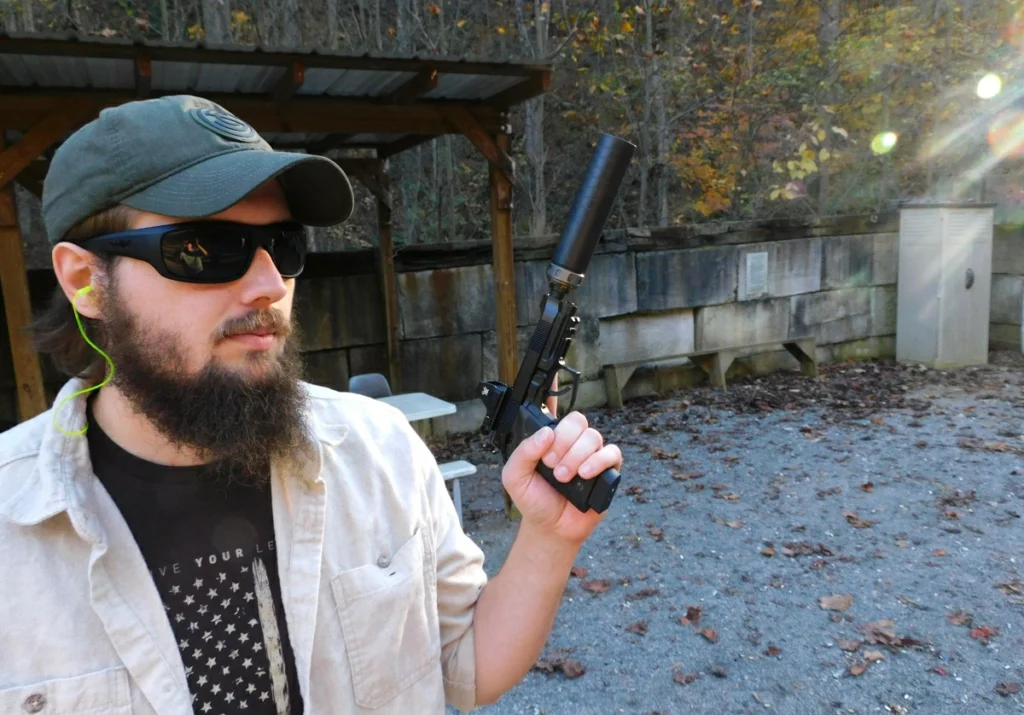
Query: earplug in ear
x=110 y=374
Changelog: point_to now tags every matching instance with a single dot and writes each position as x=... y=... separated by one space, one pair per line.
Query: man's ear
x=76 y=268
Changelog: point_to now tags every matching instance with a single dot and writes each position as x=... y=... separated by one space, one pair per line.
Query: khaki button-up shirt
x=378 y=580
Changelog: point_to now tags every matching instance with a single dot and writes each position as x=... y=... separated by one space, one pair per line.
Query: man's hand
x=572 y=448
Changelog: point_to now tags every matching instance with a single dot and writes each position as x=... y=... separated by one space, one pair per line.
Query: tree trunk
x=291 y=30
x=830 y=13
x=217 y=21
x=332 y=24
x=536 y=152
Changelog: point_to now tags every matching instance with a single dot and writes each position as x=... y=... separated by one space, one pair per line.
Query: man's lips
x=256 y=340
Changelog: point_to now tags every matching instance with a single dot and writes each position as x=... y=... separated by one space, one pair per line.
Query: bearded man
x=193 y=528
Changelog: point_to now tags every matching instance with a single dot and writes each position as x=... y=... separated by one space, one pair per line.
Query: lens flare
x=884 y=142
x=1006 y=135
x=989 y=86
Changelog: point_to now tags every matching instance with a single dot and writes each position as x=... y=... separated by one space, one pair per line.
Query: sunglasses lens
x=219 y=254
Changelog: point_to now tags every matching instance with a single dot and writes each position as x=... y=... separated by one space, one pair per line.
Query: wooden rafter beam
x=424 y=81
x=313 y=115
x=143 y=74
x=329 y=142
x=44 y=134
x=528 y=88
x=403 y=144
x=290 y=82
x=478 y=135
x=32 y=176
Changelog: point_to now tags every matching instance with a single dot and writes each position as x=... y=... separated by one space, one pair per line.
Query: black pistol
x=515 y=413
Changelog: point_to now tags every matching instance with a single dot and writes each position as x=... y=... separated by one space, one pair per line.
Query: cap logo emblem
x=224 y=124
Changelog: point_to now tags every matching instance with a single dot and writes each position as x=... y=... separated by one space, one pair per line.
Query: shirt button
x=35 y=703
x=383 y=562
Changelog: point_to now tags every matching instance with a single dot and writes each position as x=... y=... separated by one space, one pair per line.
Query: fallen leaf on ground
x=873 y=655
x=867 y=486
x=710 y=634
x=578 y=571
x=882 y=633
x=857 y=669
x=640 y=628
x=1011 y=588
x=940 y=671
x=684 y=678
x=856 y=521
x=877 y=421
x=960 y=618
x=849 y=645
x=997 y=447
x=939 y=552
x=692 y=617
x=839 y=602
x=718 y=671
x=768 y=551
x=686 y=476
x=568 y=667
x=662 y=454
x=642 y=593
x=657 y=534
x=597 y=586
x=772 y=651
x=803 y=548
x=984 y=633
x=734 y=524
x=1006 y=689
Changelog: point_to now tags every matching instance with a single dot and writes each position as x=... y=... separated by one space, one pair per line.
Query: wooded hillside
x=741 y=109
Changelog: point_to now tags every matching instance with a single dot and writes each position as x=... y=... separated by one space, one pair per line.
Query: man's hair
x=54 y=330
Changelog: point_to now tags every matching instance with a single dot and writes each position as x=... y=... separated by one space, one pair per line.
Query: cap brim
x=317 y=190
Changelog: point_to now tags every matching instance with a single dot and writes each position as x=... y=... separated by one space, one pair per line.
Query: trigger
x=574 y=386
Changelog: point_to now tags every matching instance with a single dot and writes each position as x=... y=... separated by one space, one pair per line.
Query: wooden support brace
x=424 y=81
x=403 y=144
x=39 y=138
x=143 y=74
x=388 y=282
x=716 y=365
x=368 y=177
x=18 y=308
x=805 y=351
x=467 y=124
x=289 y=83
x=615 y=379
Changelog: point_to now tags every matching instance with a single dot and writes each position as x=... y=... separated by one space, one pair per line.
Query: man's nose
x=263 y=282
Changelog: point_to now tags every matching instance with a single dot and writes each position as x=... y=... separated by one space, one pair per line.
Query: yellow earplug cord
x=110 y=374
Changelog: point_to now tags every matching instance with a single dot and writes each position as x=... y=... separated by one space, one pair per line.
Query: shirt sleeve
x=460 y=579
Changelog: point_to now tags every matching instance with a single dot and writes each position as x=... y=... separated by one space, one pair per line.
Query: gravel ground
x=847 y=545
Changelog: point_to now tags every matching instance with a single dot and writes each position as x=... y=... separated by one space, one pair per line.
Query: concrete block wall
x=675 y=290
x=1007 y=289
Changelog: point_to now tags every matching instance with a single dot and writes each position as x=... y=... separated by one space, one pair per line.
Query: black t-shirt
x=210 y=549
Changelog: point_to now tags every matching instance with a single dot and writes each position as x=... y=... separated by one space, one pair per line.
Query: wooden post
x=388 y=282
x=504 y=279
x=18 y=308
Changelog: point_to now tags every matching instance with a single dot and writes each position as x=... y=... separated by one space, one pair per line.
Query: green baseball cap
x=182 y=156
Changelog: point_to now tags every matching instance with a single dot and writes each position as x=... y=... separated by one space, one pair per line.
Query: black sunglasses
x=208 y=251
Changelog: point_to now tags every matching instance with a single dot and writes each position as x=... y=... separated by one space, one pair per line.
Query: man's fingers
x=607 y=456
x=567 y=432
x=586 y=444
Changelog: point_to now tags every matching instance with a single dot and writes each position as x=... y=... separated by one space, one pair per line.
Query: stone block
x=834 y=316
x=448 y=367
x=1008 y=251
x=609 y=287
x=340 y=312
x=646 y=336
x=865 y=260
x=865 y=349
x=1006 y=337
x=666 y=280
x=883 y=310
x=793 y=267
x=737 y=324
x=1007 y=299
x=446 y=301
x=328 y=368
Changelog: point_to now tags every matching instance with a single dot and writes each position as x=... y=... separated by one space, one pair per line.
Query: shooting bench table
x=421 y=406
x=714 y=362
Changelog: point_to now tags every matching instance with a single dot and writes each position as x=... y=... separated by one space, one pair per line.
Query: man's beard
x=236 y=423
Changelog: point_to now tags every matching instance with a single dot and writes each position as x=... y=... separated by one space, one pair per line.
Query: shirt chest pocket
x=388 y=614
x=105 y=692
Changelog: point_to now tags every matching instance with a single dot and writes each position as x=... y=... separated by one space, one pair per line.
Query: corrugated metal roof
x=31 y=63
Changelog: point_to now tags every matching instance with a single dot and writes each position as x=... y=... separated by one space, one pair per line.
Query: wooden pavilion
x=312 y=101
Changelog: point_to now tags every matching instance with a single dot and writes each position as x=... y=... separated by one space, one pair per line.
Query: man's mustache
x=258 y=321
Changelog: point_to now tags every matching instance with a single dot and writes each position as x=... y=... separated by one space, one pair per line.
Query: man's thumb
x=525 y=457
